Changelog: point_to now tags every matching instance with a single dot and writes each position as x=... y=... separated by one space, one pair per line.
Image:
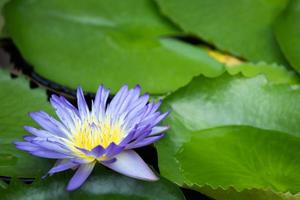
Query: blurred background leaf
x=2 y=3
x=231 y=101
x=16 y=100
x=243 y=28
x=102 y=184
x=287 y=30
x=99 y=42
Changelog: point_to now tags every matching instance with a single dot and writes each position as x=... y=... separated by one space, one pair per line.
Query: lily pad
x=97 y=41
x=247 y=194
x=208 y=103
x=2 y=3
x=242 y=158
x=102 y=184
x=273 y=72
x=243 y=28
x=288 y=33
x=16 y=100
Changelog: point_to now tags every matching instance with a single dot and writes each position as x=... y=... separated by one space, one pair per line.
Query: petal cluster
x=106 y=133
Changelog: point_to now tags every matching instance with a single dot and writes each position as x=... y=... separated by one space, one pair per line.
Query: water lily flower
x=105 y=134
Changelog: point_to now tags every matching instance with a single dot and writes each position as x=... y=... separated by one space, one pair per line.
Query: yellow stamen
x=92 y=134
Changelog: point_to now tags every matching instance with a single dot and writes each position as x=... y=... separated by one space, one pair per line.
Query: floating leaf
x=16 y=100
x=3 y=185
x=225 y=101
x=288 y=33
x=241 y=27
x=2 y=2
x=97 y=41
x=103 y=184
x=274 y=73
x=242 y=157
x=247 y=194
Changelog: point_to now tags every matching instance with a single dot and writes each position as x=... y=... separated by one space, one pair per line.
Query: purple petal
x=51 y=145
x=66 y=112
x=49 y=154
x=131 y=164
x=108 y=161
x=62 y=167
x=28 y=138
x=26 y=146
x=128 y=138
x=155 y=119
x=129 y=101
x=152 y=107
x=82 y=106
x=38 y=132
x=144 y=142
x=138 y=106
x=116 y=102
x=80 y=161
x=98 y=151
x=158 y=129
x=99 y=105
x=83 y=150
x=80 y=176
x=49 y=123
x=142 y=132
x=113 y=149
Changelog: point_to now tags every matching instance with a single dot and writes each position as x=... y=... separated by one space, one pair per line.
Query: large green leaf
x=240 y=27
x=246 y=194
x=102 y=184
x=274 y=73
x=16 y=100
x=2 y=2
x=243 y=158
x=225 y=101
x=288 y=33
x=96 y=41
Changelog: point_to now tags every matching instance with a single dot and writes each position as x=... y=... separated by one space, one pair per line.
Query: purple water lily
x=106 y=134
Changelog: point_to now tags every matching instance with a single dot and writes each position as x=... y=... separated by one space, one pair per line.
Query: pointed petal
x=27 y=146
x=82 y=106
x=80 y=176
x=129 y=101
x=131 y=164
x=145 y=142
x=116 y=102
x=113 y=149
x=109 y=161
x=49 y=123
x=66 y=112
x=62 y=167
x=98 y=151
x=128 y=138
x=38 y=132
x=49 y=154
x=158 y=129
x=99 y=105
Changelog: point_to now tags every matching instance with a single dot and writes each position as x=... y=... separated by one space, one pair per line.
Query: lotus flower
x=106 y=134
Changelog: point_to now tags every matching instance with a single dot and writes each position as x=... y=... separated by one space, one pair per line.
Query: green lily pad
x=288 y=33
x=3 y=185
x=243 y=28
x=273 y=72
x=16 y=100
x=2 y=3
x=208 y=103
x=97 y=41
x=246 y=194
x=102 y=184
x=243 y=158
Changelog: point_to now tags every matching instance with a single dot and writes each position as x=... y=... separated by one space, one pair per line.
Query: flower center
x=92 y=134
